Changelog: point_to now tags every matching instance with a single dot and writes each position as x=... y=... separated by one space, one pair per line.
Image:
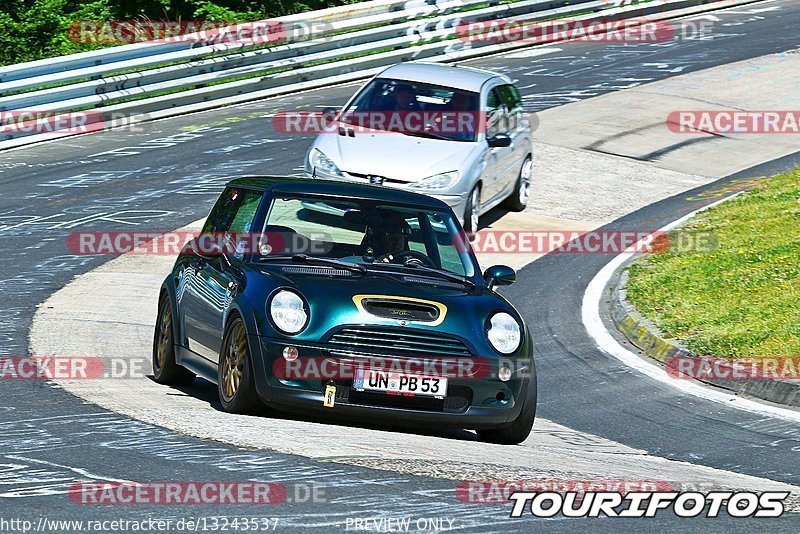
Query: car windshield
x=366 y=233
x=415 y=108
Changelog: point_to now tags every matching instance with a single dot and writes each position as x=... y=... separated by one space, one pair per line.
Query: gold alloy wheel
x=235 y=360
x=164 y=335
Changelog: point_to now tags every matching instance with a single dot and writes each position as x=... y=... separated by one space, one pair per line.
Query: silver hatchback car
x=472 y=165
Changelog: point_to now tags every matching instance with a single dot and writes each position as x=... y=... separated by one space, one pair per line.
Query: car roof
x=331 y=188
x=466 y=78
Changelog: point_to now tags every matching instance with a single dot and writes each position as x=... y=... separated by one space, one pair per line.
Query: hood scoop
x=402 y=310
x=322 y=271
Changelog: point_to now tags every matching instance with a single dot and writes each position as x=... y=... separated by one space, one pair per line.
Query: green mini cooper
x=357 y=301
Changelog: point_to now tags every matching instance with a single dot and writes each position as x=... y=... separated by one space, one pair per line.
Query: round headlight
x=504 y=333
x=288 y=311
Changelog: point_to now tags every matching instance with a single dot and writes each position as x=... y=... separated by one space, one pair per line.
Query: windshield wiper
x=441 y=273
x=429 y=135
x=304 y=258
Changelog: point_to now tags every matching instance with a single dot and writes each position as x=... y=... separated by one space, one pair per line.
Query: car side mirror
x=499 y=141
x=499 y=275
x=330 y=112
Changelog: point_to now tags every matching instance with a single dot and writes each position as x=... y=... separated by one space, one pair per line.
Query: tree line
x=37 y=29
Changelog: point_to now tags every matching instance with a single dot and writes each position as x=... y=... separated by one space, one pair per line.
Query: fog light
x=290 y=354
x=504 y=374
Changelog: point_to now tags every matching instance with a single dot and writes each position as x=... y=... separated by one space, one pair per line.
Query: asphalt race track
x=167 y=173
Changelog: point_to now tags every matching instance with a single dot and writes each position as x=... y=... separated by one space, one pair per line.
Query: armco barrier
x=350 y=42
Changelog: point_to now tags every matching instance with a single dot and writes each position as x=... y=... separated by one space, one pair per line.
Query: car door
x=215 y=278
x=517 y=130
x=497 y=122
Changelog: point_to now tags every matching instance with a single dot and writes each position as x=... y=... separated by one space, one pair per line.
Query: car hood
x=388 y=154
x=331 y=304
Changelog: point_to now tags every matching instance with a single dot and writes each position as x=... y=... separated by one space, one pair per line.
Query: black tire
x=472 y=209
x=235 y=381
x=518 y=202
x=519 y=429
x=165 y=369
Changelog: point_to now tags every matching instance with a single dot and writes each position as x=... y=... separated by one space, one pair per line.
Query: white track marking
x=533 y=52
x=77 y=470
x=590 y=313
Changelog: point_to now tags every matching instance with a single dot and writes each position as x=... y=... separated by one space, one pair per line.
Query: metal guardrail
x=124 y=83
x=192 y=46
x=130 y=52
x=242 y=63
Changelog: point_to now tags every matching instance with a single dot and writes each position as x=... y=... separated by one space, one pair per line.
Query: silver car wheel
x=474 y=215
x=525 y=181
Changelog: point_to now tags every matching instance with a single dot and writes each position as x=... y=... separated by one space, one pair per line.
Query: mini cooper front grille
x=369 y=398
x=406 y=342
x=401 y=309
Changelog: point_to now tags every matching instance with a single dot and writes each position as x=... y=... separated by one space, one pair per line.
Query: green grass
x=741 y=299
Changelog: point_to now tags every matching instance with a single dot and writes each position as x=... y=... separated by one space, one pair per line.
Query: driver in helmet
x=405 y=98
x=387 y=235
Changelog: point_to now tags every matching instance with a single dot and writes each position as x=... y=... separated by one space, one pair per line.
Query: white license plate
x=432 y=386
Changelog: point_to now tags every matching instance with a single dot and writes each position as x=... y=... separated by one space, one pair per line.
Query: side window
x=234 y=211
x=243 y=221
x=496 y=114
x=513 y=102
x=449 y=257
x=511 y=97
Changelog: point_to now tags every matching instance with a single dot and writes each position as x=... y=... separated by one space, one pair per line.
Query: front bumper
x=471 y=402
x=457 y=202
